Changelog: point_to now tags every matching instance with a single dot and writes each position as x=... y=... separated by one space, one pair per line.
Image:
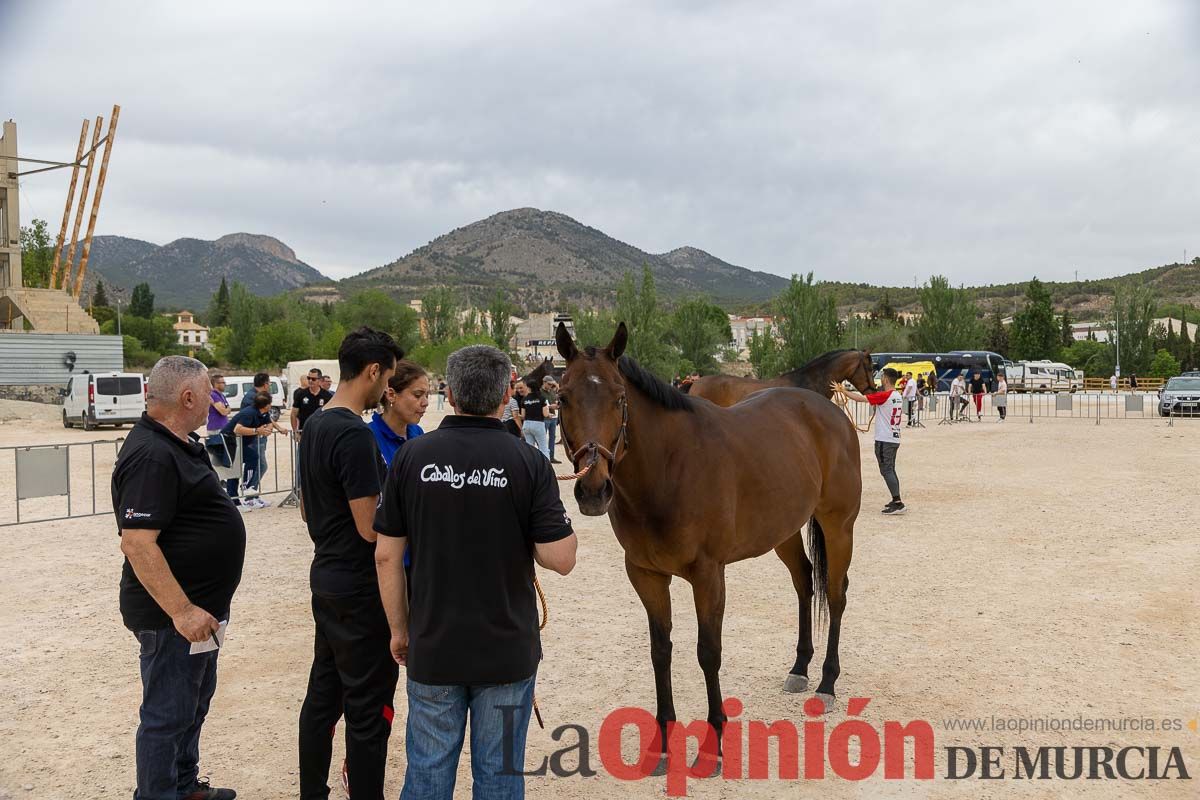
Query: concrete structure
x=745 y=327
x=535 y=336
x=10 y=217
x=34 y=366
x=188 y=332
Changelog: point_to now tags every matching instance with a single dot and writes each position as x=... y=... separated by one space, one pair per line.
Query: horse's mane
x=662 y=393
x=814 y=363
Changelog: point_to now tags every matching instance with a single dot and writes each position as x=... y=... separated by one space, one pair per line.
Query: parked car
x=103 y=398
x=238 y=386
x=1180 y=396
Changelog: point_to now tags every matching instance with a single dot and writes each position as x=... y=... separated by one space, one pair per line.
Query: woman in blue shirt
x=404 y=403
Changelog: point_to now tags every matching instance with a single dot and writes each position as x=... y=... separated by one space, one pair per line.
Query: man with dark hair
x=475 y=508
x=184 y=546
x=353 y=674
x=262 y=385
x=308 y=400
x=253 y=424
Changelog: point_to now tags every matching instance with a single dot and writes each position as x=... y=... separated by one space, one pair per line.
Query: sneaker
x=201 y=790
x=892 y=509
x=260 y=503
x=242 y=506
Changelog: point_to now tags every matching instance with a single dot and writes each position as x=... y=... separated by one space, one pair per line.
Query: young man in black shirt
x=341 y=473
x=475 y=507
x=308 y=400
x=184 y=545
x=978 y=387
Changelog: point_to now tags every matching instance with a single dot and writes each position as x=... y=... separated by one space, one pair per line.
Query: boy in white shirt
x=910 y=396
x=888 y=412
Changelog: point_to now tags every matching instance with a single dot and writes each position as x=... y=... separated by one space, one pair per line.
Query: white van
x=238 y=386
x=103 y=398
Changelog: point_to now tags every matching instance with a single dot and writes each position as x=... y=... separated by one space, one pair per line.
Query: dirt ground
x=1043 y=570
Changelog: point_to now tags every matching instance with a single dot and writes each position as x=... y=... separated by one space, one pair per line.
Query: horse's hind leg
x=838 y=528
x=791 y=553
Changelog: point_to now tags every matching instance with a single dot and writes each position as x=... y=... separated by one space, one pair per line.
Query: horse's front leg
x=708 y=589
x=654 y=589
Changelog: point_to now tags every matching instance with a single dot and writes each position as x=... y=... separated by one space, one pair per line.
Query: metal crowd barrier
x=46 y=490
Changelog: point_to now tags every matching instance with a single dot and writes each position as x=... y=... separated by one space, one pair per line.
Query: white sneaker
x=263 y=503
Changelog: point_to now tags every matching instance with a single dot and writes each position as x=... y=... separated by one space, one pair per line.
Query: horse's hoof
x=795 y=683
x=826 y=700
x=660 y=768
x=702 y=762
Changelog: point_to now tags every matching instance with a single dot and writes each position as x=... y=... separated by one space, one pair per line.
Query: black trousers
x=353 y=673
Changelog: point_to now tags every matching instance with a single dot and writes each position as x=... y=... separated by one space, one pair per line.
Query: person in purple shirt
x=218 y=416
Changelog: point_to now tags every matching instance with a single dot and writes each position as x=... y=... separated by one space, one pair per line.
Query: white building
x=188 y=332
x=743 y=328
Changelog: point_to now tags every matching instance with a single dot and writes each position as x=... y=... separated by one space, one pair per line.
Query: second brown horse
x=690 y=487
x=835 y=366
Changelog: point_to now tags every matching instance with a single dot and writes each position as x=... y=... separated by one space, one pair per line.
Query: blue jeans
x=437 y=718
x=176 y=690
x=534 y=432
x=552 y=432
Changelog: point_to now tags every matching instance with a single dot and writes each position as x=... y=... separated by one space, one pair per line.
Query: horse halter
x=596 y=450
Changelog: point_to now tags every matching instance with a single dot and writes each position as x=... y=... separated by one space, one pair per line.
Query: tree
x=500 y=327
x=141 y=303
x=949 y=318
x=1035 y=333
x=243 y=324
x=996 y=338
x=37 y=254
x=884 y=310
x=807 y=322
x=700 y=329
x=218 y=309
x=376 y=309
x=329 y=342
x=100 y=297
x=1135 y=309
x=433 y=355
x=593 y=327
x=1183 y=348
x=764 y=354
x=279 y=342
x=1163 y=365
x=1094 y=358
x=1068 y=335
x=439 y=308
x=637 y=306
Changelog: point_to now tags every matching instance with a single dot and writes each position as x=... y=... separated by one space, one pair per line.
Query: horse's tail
x=820 y=573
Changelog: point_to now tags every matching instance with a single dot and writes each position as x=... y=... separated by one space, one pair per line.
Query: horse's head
x=593 y=416
x=863 y=376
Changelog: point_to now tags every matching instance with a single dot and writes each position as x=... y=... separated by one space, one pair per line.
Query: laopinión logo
x=814 y=751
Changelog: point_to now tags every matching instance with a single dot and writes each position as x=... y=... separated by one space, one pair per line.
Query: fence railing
x=1123 y=384
x=72 y=480
x=1094 y=406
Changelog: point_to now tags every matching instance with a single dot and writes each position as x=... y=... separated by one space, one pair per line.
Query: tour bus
x=949 y=365
x=103 y=398
x=1043 y=376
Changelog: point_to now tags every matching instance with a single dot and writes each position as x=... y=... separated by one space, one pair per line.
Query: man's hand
x=196 y=625
x=399 y=647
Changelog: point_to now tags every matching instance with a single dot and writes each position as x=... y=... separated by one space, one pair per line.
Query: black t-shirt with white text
x=533 y=406
x=308 y=403
x=160 y=482
x=472 y=502
x=339 y=462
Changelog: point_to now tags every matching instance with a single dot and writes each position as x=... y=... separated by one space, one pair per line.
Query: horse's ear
x=617 y=346
x=566 y=345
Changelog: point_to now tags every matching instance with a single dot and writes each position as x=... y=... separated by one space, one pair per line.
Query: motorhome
x=1043 y=376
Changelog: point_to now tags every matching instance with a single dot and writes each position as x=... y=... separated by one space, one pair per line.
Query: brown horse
x=835 y=366
x=690 y=487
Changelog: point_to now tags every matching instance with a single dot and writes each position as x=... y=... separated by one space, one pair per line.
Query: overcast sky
x=881 y=142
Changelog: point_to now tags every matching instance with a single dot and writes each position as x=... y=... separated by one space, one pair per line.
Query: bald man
x=184 y=544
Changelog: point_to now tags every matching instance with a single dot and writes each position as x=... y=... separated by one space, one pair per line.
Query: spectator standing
x=1000 y=396
x=1133 y=386
x=352 y=673
x=978 y=390
x=922 y=390
x=533 y=418
x=887 y=434
x=441 y=393
x=471 y=594
x=262 y=385
x=404 y=402
x=253 y=424
x=550 y=392
x=910 y=397
x=958 y=400
x=184 y=546
x=308 y=400
x=510 y=418
x=1112 y=382
x=327 y=384
x=218 y=414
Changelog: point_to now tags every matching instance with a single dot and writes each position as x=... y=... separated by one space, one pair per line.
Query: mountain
x=544 y=259
x=186 y=272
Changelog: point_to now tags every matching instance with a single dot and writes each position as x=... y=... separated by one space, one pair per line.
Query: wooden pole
x=87 y=242
x=62 y=233
x=87 y=182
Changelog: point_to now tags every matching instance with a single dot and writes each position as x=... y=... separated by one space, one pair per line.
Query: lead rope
x=843 y=402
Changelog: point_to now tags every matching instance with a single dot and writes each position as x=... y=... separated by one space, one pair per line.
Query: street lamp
x=118 y=316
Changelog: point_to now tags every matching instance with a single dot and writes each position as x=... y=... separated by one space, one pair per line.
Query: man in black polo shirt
x=184 y=544
x=475 y=507
x=308 y=400
x=353 y=673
